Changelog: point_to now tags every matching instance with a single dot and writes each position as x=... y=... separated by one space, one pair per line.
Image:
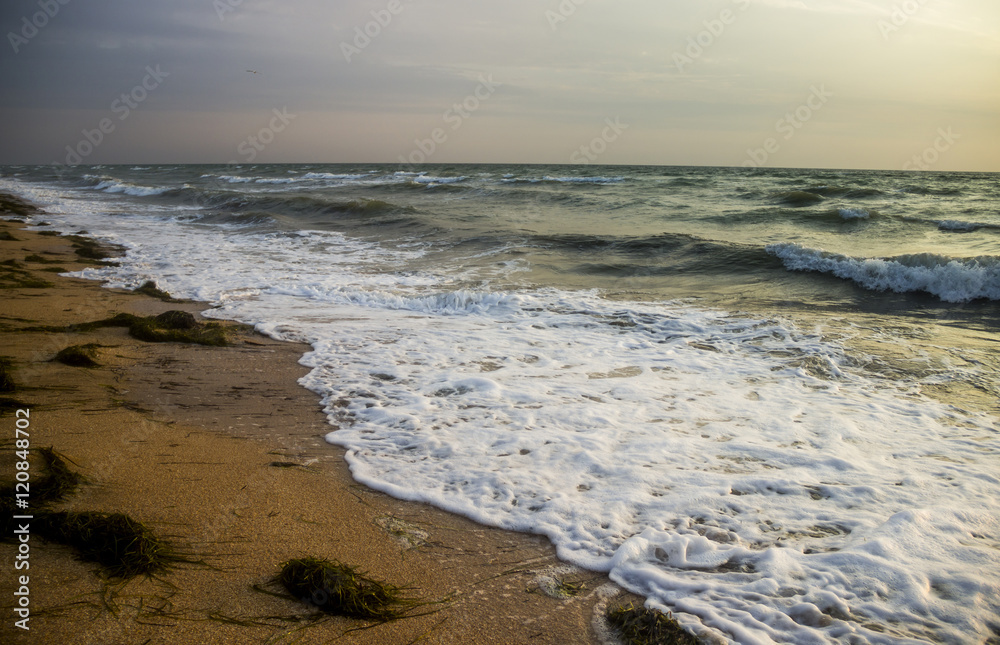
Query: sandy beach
x=220 y=452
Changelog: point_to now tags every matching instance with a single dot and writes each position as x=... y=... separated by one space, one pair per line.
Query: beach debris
x=149 y=288
x=10 y=204
x=6 y=375
x=168 y=327
x=56 y=483
x=644 y=626
x=409 y=535
x=89 y=249
x=176 y=320
x=7 y=404
x=338 y=589
x=34 y=257
x=14 y=277
x=123 y=546
x=561 y=582
x=78 y=355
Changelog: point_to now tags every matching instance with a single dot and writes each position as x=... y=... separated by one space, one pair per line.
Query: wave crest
x=950 y=279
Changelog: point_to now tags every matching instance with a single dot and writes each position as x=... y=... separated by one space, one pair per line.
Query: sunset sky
x=785 y=83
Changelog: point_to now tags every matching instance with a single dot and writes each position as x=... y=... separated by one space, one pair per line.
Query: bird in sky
x=252 y=71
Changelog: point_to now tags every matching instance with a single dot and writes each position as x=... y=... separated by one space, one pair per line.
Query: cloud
x=599 y=60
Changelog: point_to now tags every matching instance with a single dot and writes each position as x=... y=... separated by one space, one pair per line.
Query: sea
x=767 y=400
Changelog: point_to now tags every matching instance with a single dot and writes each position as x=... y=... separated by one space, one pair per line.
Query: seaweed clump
x=6 y=236
x=58 y=481
x=55 y=484
x=643 y=626
x=336 y=588
x=124 y=547
x=34 y=257
x=149 y=288
x=168 y=327
x=14 y=206
x=7 y=383
x=89 y=249
x=14 y=277
x=78 y=356
x=7 y=404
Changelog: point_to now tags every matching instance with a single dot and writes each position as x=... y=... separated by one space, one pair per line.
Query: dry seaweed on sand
x=338 y=589
x=123 y=546
x=78 y=355
x=12 y=277
x=56 y=483
x=644 y=626
x=38 y=259
x=6 y=375
x=7 y=404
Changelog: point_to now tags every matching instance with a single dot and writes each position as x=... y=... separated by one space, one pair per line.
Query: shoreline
x=221 y=451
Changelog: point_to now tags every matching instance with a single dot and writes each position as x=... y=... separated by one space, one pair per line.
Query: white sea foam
x=586 y=180
x=109 y=185
x=425 y=179
x=951 y=280
x=738 y=471
x=330 y=175
x=959 y=225
x=854 y=213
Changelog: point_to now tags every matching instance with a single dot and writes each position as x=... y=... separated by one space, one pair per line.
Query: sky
x=883 y=84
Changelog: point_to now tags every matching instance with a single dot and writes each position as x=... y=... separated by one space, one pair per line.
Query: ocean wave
x=294 y=204
x=338 y=176
x=931 y=190
x=110 y=185
x=950 y=279
x=854 y=213
x=962 y=226
x=797 y=198
x=851 y=192
x=563 y=180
